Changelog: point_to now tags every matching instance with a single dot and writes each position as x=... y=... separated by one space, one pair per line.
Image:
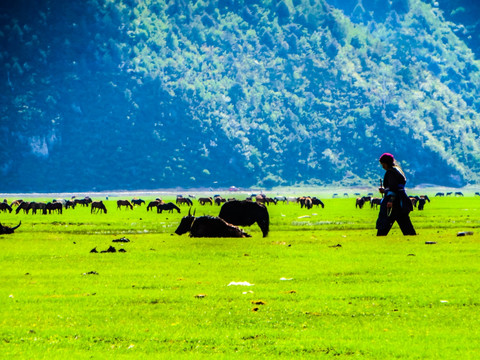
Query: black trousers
x=403 y=220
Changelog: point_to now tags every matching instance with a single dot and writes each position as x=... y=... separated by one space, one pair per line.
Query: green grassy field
x=324 y=286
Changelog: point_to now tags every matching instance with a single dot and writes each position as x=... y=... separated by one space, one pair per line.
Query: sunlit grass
x=323 y=286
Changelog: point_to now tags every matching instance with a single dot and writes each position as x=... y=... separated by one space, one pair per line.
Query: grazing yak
x=53 y=206
x=22 y=206
x=7 y=229
x=359 y=202
x=125 y=203
x=246 y=213
x=16 y=202
x=84 y=202
x=34 y=206
x=208 y=226
x=154 y=204
x=305 y=201
x=138 y=202
x=421 y=203
x=416 y=199
x=98 y=206
x=69 y=204
x=205 y=200
x=375 y=202
x=5 y=207
x=219 y=200
x=316 y=201
x=183 y=201
x=167 y=207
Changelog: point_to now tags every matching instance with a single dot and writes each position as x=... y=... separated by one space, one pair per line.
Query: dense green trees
x=150 y=94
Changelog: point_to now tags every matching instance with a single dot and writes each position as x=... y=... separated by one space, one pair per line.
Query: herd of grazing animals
x=233 y=212
x=307 y=202
x=375 y=202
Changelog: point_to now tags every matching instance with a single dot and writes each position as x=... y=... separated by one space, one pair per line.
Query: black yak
x=7 y=229
x=34 y=206
x=5 y=207
x=359 y=202
x=205 y=200
x=316 y=201
x=246 y=213
x=154 y=204
x=182 y=201
x=53 y=206
x=98 y=206
x=421 y=203
x=22 y=206
x=167 y=207
x=208 y=226
x=125 y=203
x=305 y=201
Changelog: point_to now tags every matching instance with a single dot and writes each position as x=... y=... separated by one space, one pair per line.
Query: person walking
x=395 y=204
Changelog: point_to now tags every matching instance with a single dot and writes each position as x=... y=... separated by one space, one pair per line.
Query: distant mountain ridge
x=157 y=94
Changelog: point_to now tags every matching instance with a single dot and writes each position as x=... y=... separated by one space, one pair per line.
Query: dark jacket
x=394 y=185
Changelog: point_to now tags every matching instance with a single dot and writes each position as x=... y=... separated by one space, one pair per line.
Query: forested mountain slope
x=128 y=94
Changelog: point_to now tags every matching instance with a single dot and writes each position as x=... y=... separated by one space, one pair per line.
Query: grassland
x=324 y=286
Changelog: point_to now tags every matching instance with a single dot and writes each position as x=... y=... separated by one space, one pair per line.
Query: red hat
x=387 y=158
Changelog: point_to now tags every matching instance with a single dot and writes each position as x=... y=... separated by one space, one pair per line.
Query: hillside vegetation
x=129 y=94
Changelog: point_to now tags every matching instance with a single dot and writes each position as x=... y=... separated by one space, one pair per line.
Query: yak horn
x=17 y=226
x=189 y=212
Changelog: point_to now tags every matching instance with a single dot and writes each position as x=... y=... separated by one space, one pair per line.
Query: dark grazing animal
x=23 y=206
x=98 y=206
x=270 y=200
x=69 y=204
x=246 y=213
x=138 y=202
x=167 y=207
x=359 y=202
x=182 y=201
x=440 y=194
x=219 y=200
x=414 y=200
x=155 y=203
x=83 y=202
x=53 y=206
x=16 y=202
x=208 y=226
x=421 y=203
x=204 y=200
x=125 y=203
x=305 y=201
x=5 y=207
x=375 y=202
x=7 y=229
x=34 y=206
x=316 y=201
